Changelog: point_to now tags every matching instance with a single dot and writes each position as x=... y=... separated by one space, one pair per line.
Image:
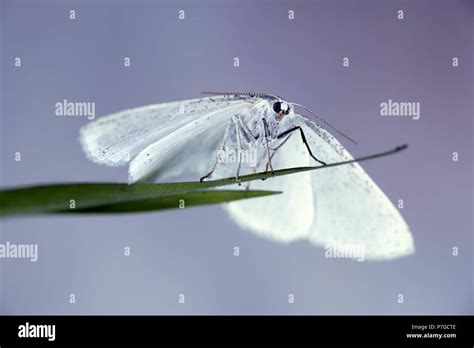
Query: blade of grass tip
x=287 y=171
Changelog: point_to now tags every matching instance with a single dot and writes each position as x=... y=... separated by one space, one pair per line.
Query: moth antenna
x=249 y=94
x=326 y=123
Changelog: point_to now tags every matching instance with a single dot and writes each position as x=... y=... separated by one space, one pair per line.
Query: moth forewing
x=116 y=139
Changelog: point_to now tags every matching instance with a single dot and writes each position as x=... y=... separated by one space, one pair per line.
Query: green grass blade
x=177 y=201
x=58 y=197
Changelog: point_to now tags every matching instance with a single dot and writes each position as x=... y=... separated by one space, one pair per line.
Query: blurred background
x=191 y=251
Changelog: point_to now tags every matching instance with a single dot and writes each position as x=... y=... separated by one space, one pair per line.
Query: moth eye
x=277 y=107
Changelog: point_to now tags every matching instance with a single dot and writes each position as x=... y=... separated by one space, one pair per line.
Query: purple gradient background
x=190 y=251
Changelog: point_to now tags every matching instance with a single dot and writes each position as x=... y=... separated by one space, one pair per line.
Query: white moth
x=337 y=206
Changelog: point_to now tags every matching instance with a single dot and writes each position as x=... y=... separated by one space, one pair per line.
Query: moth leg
x=239 y=148
x=201 y=179
x=276 y=149
x=222 y=148
x=267 y=134
x=247 y=129
x=303 y=137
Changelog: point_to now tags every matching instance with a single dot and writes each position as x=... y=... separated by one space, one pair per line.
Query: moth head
x=281 y=108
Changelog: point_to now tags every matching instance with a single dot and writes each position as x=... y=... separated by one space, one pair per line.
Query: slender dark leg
x=269 y=163
x=276 y=149
x=201 y=179
x=247 y=129
x=239 y=148
x=303 y=137
x=239 y=145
